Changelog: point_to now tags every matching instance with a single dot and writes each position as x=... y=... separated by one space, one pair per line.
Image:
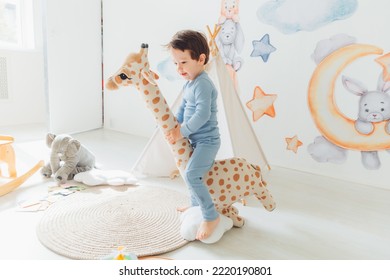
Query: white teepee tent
x=237 y=135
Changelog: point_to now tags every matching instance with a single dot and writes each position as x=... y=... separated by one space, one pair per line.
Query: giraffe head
x=134 y=71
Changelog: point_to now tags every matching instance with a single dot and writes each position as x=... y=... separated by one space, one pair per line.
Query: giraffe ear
x=150 y=76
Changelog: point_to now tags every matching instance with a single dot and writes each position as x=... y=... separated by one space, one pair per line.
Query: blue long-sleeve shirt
x=197 y=113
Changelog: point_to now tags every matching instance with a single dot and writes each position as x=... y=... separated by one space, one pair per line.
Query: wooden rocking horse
x=7 y=156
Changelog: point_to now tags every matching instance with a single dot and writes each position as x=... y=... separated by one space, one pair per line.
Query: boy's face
x=187 y=67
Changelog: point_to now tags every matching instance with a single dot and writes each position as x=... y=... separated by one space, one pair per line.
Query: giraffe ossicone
x=229 y=180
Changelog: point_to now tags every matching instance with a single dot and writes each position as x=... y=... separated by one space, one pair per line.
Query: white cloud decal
x=168 y=70
x=322 y=150
x=291 y=16
x=327 y=46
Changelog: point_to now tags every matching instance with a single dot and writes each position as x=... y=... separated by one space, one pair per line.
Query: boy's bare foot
x=206 y=228
x=182 y=209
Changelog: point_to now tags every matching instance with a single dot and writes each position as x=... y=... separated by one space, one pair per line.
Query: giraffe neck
x=158 y=106
x=155 y=101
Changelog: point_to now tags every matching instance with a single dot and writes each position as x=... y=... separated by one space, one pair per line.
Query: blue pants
x=200 y=162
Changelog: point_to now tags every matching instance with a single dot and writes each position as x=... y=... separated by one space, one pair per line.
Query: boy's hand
x=173 y=135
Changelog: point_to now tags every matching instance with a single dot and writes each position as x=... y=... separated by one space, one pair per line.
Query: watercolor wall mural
x=291 y=16
x=370 y=131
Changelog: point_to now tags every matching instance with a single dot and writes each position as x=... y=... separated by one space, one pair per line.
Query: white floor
x=316 y=217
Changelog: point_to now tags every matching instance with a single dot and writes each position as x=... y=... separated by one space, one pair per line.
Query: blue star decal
x=262 y=48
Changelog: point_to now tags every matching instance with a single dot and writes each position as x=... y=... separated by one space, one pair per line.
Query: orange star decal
x=261 y=104
x=384 y=61
x=293 y=143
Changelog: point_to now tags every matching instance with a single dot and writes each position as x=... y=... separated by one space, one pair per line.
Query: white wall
x=287 y=73
x=74 y=64
x=26 y=103
x=59 y=82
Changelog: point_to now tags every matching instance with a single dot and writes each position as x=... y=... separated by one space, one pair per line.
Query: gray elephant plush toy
x=67 y=158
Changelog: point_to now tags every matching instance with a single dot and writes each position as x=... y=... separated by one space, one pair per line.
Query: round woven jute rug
x=93 y=223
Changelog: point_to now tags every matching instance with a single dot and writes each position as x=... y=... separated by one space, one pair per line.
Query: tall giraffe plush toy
x=228 y=180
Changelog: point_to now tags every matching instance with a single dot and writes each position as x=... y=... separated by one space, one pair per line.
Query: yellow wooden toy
x=7 y=156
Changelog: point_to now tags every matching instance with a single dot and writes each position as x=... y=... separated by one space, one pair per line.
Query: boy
x=197 y=117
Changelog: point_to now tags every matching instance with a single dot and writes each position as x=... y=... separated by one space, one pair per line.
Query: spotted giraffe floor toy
x=229 y=180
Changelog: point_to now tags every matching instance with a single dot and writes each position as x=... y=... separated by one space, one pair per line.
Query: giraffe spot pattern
x=247 y=181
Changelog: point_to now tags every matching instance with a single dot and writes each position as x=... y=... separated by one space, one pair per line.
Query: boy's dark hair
x=193 y=41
